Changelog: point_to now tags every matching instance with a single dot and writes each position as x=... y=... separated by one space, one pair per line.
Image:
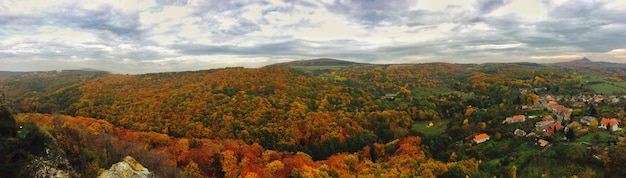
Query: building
x=480 y=138
x=574 y=125
x=519 y=132
x=611 y=124
x=390 y=96
x=514 y=119
x=553 y=128
x=547 y=118
x=542 y=125
x=587 y=119
x=542 y=143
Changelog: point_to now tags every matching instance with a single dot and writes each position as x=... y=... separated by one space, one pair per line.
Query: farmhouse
x=514 y=119
x=610 y=124
x=480 y=138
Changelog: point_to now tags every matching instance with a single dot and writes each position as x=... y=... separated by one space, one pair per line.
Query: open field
x=589 y=137
x=424 y=128
x=601 y=85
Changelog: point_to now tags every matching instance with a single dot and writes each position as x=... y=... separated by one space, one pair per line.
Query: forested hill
x=369 y=110
x=587 y=65
x=317 y=62
x=222 y=103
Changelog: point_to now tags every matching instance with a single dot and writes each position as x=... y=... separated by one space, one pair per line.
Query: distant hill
x=85 y=69
x=318 y=63
x=14 y=74
x=586 y=63
x=9 y=74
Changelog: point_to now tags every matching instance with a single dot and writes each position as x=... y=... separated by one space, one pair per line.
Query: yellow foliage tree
x=192 y=171
x=593 y=125
x=229 y=164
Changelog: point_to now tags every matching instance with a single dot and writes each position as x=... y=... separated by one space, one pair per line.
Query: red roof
x=547 y=118
x=604 y=121
x=550 y=130
x=481 y=136
x=519 y=118
x=609 y=122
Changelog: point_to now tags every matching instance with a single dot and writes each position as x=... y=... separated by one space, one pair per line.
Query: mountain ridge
x=317 y=62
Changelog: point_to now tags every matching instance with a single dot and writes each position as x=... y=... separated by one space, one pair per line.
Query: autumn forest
x=328 y=118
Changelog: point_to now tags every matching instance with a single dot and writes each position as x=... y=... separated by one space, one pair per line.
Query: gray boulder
x=128 y=168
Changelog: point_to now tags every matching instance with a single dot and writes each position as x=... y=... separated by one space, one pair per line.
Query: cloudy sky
x=136 y=36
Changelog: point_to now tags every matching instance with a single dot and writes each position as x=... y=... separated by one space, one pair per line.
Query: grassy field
x=424 y=128
x=605 y=88
x=601 y=85
x=589 y=137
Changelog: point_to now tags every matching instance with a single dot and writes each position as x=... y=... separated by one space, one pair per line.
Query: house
x=578 y=104
x=615 y=100
x=562 y=111
x=480 y=138
x=542 y=143
x=587 y=119
x=553 y=128
x=549 y=98
x=609 y=124
x=519 y=132
x=547 y=118
x=519 y=118
x=574 y=125
x=542 y=125
x=514 y=119
x=599 y=98
x=390 y=96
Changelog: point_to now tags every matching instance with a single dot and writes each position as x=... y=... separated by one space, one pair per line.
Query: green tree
x=571 y=135
x=453 y=172
x=616 y=162
x=7 y=123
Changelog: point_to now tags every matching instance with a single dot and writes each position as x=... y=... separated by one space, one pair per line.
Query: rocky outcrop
x=51 y=164
x=128 y=168
x=34 y=153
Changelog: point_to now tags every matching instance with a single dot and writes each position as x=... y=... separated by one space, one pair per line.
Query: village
x=568 y=123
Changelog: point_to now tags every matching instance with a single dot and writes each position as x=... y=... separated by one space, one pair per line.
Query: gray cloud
x=173 y=2
x=105 y=18
x=487 y=6
x=372 y=12
x=126 y=42
x=19 y=20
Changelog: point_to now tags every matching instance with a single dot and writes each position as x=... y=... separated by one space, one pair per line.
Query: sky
x=137 y=36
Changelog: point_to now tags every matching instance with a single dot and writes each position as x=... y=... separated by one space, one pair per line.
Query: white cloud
x=139 y=36
x=527 y=9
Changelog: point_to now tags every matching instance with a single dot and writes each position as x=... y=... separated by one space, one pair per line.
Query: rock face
x=51 y=165
x=128 y=168
x=34 y=153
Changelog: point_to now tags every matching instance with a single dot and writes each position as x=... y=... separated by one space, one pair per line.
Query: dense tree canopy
x=370 y=120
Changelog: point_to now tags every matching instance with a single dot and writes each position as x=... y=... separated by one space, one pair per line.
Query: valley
x=333 y=118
